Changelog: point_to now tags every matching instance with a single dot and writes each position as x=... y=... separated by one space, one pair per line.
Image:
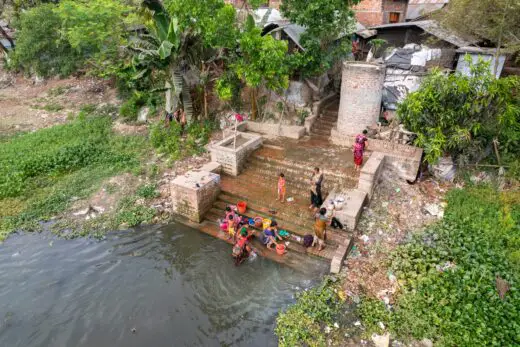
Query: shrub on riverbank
x=459 y=278
x=42 y=173
x=302 y=323
x=170 y=140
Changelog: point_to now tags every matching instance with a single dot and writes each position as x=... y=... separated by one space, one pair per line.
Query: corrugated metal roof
x=294 y=31
x=433 y=28
x=415 y=11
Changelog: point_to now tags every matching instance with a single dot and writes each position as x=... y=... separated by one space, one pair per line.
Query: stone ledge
x=339 y=256
x=290 y=131
x=370 y=173
x=352 y=207
x=212 y=166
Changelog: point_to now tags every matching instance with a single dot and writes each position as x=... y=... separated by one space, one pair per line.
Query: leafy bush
x=301 y=324
x=39 y=45
x=170 y=140
x=450 y=275
x=60 y=39
x=130 y=108
x=463 y=115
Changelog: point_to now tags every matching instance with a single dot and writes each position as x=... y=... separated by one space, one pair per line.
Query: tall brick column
x=360 y=102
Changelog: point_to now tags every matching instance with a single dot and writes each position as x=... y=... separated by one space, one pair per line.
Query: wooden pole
x=235 y=139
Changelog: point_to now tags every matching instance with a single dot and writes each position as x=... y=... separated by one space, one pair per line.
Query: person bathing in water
x=281 y=188
x=241 y=249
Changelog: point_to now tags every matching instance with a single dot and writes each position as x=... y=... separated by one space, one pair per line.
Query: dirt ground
x=30 y=104
x=396 y=210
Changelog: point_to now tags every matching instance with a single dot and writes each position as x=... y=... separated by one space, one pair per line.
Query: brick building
x=377 y=12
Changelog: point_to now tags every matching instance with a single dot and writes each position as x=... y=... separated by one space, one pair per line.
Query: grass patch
x=42 y=173
x=460 y=277
x=52 y=107
x=147 y=191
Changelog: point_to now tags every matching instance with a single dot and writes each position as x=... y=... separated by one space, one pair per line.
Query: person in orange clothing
x=281 y=188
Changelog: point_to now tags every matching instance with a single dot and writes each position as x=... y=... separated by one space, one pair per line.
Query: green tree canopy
x=463 y=115
x=496 y=21
x=328 y=24
x=59 y=39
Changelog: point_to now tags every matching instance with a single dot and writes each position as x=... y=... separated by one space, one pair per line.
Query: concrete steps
x=298 y=175
x=298 y=261
x=327 y=120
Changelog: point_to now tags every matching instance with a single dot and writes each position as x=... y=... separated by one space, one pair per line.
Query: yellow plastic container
x=266 y=223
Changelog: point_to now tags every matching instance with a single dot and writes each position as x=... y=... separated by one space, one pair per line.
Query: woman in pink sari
x=359 y=148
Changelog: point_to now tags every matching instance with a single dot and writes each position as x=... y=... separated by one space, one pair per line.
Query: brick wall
x=394 y=6
x=377 y=12
x=369 y=12
x=360 y=102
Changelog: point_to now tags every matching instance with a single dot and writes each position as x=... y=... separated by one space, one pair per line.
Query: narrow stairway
x=328 y=118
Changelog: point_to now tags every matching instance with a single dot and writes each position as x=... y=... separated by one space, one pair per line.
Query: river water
x=156 y=286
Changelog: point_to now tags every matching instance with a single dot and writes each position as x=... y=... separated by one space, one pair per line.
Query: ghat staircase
x=257 y=186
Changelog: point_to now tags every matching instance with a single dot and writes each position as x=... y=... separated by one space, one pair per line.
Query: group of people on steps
x=241 y=234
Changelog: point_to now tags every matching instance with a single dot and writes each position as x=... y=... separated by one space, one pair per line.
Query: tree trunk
x=254 y=110
x=499 y=41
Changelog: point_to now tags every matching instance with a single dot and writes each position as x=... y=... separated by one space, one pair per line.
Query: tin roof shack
x=405 y=69
x=476 y=53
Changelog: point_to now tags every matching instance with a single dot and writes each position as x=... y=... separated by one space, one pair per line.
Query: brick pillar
x=360 y=102
x=194 y=193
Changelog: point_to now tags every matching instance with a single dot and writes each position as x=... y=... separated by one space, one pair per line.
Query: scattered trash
x=357 y=323
x=290 y=199
x=381 y=325
x=434 y=210
x=397 y=190
x=365 y=238
x=480 y=177
x=381 y=340
x=384 y=204
x=502 y=287
x=134 y=330
x=82 y=212
x=327 y=329
x=15 y=254
x=336 y=325
x=51 y=243
x=444 y=169
x=446 y=266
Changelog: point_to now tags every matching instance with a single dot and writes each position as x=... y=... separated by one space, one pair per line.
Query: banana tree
x=166 y=47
